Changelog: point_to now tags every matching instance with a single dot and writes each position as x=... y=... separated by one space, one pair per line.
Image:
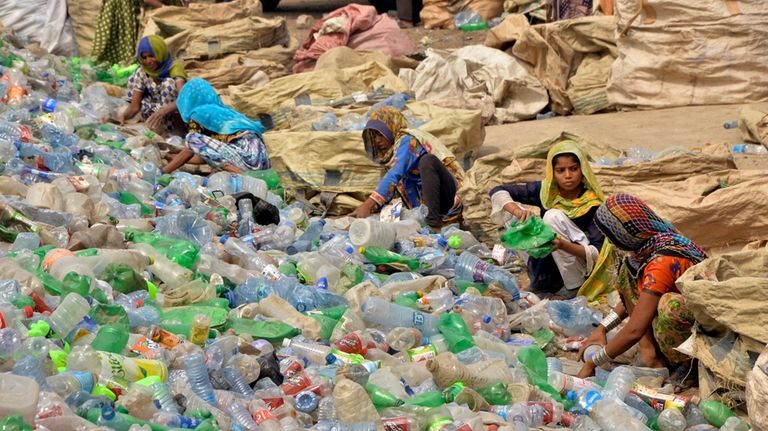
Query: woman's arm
x=403 y=160
x=639 y=322
x=132 y=109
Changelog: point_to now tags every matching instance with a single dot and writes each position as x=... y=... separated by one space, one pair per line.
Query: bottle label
x=132 y=369
x=2 y=321
x=144 y=345
x=295 y=384
x=261 y=416
x=577 y=384
x=423 y=353
x=271 y=272
x=399 y=423
x=478 y=270
x=499 y=254
x=274 y=403
x=79 y=183
x=351 y=343
x=658 y=400
x=418 y=319
x=165 y=338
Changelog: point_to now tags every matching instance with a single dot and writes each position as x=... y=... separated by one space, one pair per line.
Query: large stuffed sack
x=42 y=21
x=679 y=53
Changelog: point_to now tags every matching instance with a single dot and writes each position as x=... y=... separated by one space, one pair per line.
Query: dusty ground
x=689 y=127
x=423 y=38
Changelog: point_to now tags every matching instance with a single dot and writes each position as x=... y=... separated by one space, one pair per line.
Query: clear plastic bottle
x=585 y=423
x=69 y=313
x=30 y=366
x=110 y=419
x=530 y=414
x=70 y=382
x=619 y=383
x=574 y=316
x=470 y=267
x=564 y=383
x=402 y=339
x=197 y=374
x=693 y=415
x=236 y=381
x=306 y=240
x=175 y=420
x=734 y=423
x=164 y=397
x=382 y=312
x=609 y=414
x=671 y=420
x=369 y=232
x=638 y=404
x=313 y=352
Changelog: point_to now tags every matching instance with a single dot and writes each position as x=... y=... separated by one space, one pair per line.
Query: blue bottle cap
x=322 y=283
x=441 y=241
x=486 y=318
x=223 y=238
x=330 y=358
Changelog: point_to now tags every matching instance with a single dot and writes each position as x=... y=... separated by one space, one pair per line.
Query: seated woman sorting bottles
x=154 y=87
x=657 y=256
x=568 y=199
x=421 y=169
x=218 y=135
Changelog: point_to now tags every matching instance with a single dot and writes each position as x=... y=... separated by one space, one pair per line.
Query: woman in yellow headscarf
x=568 y=199
x=154 y=87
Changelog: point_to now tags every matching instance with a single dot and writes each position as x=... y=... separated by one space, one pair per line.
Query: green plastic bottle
x=456 y=332
x=110 y=338
x=474 y=26
x=130 y=199
x=270 y=330
x=180 y=251
x=496 y=394
x=381 y=397
x=382 y=256
x=427 y=399
x=123 y=278
x=715 y=412
x=269 y=176
x=14 y=423
x=408 y=299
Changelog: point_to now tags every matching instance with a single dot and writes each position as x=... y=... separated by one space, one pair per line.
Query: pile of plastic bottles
x=132 y=300
x=350 y=122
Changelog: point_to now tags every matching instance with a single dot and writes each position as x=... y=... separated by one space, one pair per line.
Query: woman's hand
x=516 y=210
x=155 y=121
x=364 y=210
x=596 y=337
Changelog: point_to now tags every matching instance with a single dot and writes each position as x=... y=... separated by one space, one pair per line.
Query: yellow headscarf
x=550 y=193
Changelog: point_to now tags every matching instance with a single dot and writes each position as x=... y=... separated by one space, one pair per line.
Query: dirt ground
x=423 y=38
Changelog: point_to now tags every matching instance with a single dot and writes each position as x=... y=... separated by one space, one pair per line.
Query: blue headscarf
x=199 y=101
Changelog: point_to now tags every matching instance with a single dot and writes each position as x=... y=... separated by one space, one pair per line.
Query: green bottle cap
x=103 y=390
x=454 y=241
x=152 y=289
x=41 y=328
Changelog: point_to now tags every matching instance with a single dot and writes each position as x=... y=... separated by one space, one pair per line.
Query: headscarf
x=199 y=102
x=156 y=47
x=391 y=124
x=550 y=193
x=629 y=223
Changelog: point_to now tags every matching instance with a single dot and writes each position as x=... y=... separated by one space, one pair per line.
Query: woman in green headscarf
x=154 y=87
x=568 y=198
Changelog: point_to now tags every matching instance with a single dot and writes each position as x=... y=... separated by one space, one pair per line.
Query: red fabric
x=365 y=30
x=660 y=274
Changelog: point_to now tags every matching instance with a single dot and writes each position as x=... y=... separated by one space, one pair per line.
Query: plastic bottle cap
x=103 y=390
x=41 y=328
x=361 y=250
x=152 y=289
x=322 y=283
x=349 y=249
x=486 y=318
x=441 y=241
x=330 y=358
x=223 y=238
x=454 y=241
x=27 y=310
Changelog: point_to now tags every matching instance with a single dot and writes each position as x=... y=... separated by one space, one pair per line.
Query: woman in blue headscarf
x=153 y=88
x=218 y=135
